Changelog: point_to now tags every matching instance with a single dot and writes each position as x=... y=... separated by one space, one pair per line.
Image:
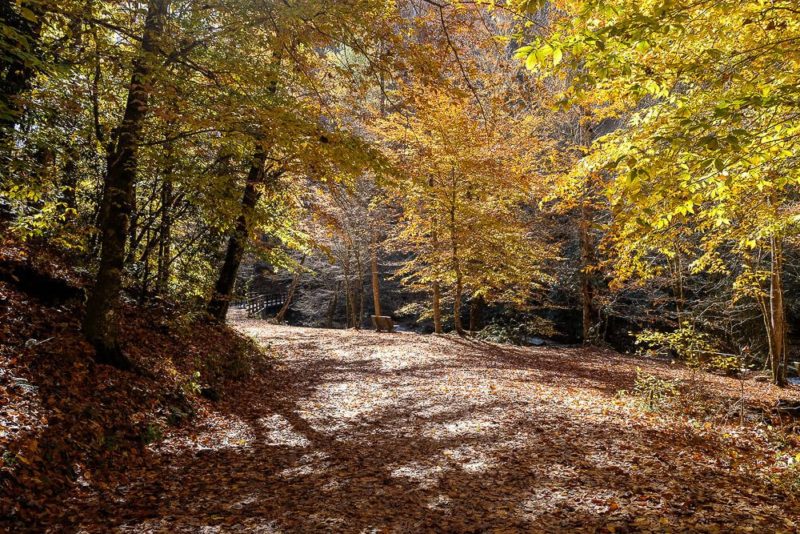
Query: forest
x=400 y=265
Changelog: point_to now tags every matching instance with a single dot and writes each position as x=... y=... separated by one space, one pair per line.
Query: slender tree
x=100 y=323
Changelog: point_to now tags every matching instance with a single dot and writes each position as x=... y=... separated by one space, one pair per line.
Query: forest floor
x=363 y=432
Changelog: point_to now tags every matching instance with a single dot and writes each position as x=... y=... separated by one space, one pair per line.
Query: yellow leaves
x=686 y=208
x=652 y=87
x=461 y=185
x=557 y=56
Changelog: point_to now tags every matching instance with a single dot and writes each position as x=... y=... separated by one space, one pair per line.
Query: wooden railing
x=259 y=304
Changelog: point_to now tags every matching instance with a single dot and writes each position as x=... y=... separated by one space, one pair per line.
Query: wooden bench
x=382 y=323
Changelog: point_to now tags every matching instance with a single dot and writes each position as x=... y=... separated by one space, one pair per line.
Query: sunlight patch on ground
x=278 y=431
x=425 y=475
x=591 y=501
x=470 y=459
x=439 y=502
x=432 y=409
x=347 y=403
x=400 y=358
x=220 y=433
x=308 y=465
x=463 y=427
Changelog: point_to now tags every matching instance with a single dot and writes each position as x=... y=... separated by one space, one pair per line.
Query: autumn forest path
x=361 y=432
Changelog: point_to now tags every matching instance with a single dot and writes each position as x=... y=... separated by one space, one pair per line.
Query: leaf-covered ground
x=361 y=432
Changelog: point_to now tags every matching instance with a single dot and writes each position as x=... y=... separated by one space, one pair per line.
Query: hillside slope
x=69 y=425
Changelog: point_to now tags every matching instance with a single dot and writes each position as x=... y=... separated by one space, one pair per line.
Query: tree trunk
x=457 y=305
x=146 y=267
x=459 y=289
x=289 y=294
x=589 y=316
x=437 y=309
x=333 y=304
x=376 y=288
x=359 y=315
x=777 y=314
x=100 y=323
x=165 y=235
x=676 y=274
x=475 y=309
x=587 y=261
x=69 y=184
x=223 y=289
x=237 y=242
x=348 y=295
x=437 y=297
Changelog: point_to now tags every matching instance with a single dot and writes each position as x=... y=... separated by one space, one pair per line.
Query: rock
x=535 y=341
x=761 y=378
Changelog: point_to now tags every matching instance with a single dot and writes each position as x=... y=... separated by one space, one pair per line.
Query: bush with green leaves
x=192 y=384
x=655 y=392
x=686 y=343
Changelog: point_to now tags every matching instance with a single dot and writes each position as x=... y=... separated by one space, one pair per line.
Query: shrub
x=697 y=349
x=192 y=384
x=517 y=332
x=655 y=392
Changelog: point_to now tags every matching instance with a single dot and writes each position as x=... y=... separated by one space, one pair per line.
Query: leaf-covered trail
x=360 y=432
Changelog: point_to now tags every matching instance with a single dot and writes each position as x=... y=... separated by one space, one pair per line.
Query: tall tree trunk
x=223 y=289
x=437 y=297
x=373 y=262
x=437 y=309
x=332 y=306
x=289 y=294
x=459 y=289
x=475 y=309
x=237 y=242
x=348 y=291
x=100 y=323
x=146 y=267
x=676 y=275
x=165 y=235
x=359 y=315
x=588 y=314
x=69 y=184
x=777 y=313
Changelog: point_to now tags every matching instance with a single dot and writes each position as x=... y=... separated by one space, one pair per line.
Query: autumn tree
x=708 y=95
x=462 y=187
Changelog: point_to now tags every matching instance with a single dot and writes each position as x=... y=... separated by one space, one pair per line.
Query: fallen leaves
x=364 y=432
